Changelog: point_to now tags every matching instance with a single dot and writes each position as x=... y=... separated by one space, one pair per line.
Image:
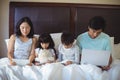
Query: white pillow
x=37 y=36
x=112 y=44
x=117 y=51
x=6 y=41
x=56 y=38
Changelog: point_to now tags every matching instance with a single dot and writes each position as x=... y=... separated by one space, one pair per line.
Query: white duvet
x=57 y=71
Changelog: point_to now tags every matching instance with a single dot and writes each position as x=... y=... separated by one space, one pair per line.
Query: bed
x=55 y=18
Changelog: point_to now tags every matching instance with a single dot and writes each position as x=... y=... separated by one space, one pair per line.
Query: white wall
x=4 y=15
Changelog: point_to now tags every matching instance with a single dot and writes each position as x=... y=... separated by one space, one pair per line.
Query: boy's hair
x=97 y=23
x=27 y=20
x=67 y=38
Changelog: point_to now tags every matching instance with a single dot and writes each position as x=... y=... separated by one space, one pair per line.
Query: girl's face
x=25 y=29
x=44 y=45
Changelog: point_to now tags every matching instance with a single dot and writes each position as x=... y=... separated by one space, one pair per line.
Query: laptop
x=95 y=57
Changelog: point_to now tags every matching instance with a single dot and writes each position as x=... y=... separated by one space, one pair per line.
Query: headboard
x=58 y=17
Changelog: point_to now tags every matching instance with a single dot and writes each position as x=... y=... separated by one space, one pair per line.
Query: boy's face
x=68 y=46
x=94 y=33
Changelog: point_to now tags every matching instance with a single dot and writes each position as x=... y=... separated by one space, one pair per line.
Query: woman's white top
x=45 y=55
x=22 y=49
x=69 y=54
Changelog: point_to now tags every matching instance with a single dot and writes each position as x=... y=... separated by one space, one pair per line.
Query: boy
x=68 y=51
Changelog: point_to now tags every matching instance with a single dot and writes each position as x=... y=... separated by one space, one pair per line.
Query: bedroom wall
x=4 y=15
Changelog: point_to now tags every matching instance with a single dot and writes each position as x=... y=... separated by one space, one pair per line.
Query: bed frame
x=58 y=17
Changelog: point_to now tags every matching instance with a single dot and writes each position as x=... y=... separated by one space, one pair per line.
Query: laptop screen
x=95 y=57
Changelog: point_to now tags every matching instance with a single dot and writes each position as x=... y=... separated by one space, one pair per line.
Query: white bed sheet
x=57 y=71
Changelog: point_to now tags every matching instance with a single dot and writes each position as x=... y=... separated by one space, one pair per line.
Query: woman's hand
x=12 y=63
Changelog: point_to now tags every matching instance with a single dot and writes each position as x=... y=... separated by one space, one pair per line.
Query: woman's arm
x=32 y=54
x=11 y=49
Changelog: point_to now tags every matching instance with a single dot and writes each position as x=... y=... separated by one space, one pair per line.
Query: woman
x=22 y=43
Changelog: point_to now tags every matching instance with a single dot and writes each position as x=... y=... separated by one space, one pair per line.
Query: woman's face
x=44 y=45
x=94 y=33
x=25 y=29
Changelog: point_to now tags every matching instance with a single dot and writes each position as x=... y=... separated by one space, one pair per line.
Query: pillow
x=112 y=44
x=56 y=38
x=6 y=41
x=37 y=36
x=117 y=51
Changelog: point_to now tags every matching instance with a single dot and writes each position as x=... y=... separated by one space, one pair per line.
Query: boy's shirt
x=70 y=54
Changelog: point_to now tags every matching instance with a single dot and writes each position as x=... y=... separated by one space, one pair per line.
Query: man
x=95 y=38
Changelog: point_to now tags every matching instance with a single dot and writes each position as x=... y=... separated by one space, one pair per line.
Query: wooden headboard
x=58 y=17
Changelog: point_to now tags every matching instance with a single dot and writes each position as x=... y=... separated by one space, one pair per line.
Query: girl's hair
x=67 y=38
x=46 y=38
x=27 y=20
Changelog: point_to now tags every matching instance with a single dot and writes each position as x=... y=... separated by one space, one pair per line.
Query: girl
x=22 y=43
x=45 y=53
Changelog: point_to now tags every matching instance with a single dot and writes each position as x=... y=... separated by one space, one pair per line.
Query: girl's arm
x=32 y=54
x=11 y=48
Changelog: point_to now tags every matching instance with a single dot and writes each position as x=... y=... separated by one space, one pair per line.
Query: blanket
x=57 y=71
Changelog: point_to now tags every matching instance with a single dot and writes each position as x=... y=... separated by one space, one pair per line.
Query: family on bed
x=23 y=44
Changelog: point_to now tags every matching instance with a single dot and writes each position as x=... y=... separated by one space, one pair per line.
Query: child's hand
x=105 y=67
x=30 y=64
x=68 y=63
x=37 y=63
x=50 y=61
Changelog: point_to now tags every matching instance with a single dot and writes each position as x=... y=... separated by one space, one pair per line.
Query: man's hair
x=97 y=23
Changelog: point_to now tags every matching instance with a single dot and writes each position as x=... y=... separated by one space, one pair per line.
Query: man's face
x=94 y=33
